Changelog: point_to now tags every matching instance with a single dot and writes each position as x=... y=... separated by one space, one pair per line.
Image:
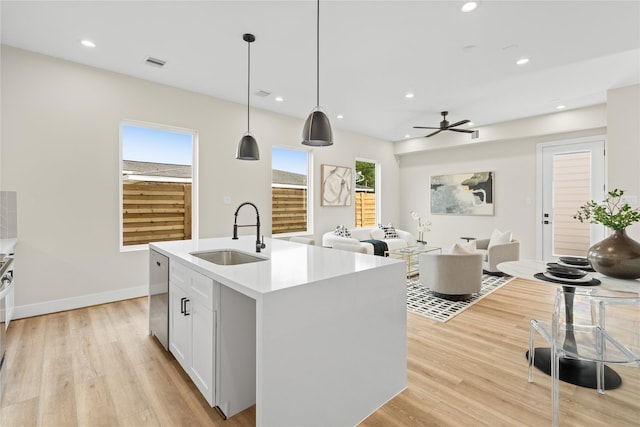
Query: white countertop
x=288 y=264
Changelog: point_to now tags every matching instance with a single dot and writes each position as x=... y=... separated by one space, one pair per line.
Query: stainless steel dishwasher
x=159 y=297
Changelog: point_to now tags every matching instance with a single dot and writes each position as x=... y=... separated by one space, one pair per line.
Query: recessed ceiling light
x=279 y=98
x=88 y=43
x=470 y=124
x=409 y=95
x=522 y=61
x=340 y=116
x=469 y=6
x=407 y=136
x=561 y=107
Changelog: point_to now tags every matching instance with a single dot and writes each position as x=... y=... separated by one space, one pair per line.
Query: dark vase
x=616 y=256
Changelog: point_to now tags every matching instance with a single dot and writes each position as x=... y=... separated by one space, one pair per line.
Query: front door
x=571 y=173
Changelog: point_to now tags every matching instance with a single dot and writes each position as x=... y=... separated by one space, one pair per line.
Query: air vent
x=262 y=93
x=155 y=62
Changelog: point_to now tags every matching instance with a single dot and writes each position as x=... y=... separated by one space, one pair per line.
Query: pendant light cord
x=248 y=80
x=318 y=55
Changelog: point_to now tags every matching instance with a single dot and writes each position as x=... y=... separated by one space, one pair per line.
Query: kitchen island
x=326 y=329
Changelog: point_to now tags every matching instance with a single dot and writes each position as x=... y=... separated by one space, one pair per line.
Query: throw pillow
x=470 y=246
x=377 y=234
x=499 y=238
x=342 y=231
x=461 y=249
x=389 y=231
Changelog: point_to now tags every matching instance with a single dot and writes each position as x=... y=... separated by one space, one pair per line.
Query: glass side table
x=411 y=256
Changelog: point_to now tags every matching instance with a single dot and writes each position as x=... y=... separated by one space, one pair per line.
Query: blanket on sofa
x=379 y=247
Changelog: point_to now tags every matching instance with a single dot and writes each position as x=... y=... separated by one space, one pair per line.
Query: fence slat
x=155 y=211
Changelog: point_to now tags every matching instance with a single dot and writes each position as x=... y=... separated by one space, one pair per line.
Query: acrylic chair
x=588 y=330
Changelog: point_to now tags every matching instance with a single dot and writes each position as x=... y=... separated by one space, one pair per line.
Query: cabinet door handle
x=182 y=305
x=186 y=300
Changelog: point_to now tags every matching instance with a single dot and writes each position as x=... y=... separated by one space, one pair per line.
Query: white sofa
x=404 y=239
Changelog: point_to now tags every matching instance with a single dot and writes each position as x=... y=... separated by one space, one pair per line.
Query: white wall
x=623 y=162
x=513 y=160
x=60 y=141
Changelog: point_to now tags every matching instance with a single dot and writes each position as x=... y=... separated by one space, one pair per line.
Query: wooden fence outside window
x=155 y=211
x=161 y=211
x=288 y=210
x=365 y=209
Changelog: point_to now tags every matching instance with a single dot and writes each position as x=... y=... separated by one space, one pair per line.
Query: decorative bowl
x=566 y=272
x=577 y=261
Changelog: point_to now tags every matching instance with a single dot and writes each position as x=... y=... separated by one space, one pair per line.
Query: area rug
x=420 y=300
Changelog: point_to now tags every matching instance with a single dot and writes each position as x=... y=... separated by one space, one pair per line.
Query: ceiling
x=371 y=54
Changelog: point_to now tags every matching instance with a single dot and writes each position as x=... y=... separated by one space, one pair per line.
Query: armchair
x=452 y=276
x=492 y=255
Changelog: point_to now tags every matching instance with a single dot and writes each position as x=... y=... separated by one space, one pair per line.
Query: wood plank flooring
x=98 y=367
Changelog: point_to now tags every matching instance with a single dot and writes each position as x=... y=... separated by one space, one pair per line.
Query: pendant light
x=317 y=128
x=248 y=146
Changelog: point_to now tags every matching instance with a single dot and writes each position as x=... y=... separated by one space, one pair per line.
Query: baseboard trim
x=82 y=301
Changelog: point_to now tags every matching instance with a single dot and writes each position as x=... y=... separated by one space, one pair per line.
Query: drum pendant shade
x=317 y=130
x=248 y=148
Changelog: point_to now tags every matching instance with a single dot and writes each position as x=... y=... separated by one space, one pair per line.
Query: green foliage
x=610 y=212
x=368 y=171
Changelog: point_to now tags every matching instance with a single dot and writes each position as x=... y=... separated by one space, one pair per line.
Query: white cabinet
x=193 y=307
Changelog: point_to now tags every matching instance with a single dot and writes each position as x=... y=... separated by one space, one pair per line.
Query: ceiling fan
x=444 y=125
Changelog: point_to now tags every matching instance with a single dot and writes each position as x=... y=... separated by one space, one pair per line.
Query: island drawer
x=198 y=286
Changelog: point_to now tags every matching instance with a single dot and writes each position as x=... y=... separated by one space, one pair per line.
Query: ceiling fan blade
x=461 y=122
x=433 y=133
x=462 y=130
x=424 y=127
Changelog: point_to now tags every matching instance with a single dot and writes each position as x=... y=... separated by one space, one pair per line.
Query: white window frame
x=378 y=187
x=310 y=190
x=194 y=178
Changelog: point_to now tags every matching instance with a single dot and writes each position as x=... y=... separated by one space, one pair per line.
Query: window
x=366 y=195
x=156 y=174
x=290 y=212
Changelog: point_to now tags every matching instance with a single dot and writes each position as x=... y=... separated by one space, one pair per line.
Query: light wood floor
x=97 y=366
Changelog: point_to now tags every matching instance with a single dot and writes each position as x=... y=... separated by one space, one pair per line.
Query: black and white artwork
x=337 y=183
x=462 y=194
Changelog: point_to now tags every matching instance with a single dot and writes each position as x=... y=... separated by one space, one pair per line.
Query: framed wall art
x=462 y=194
x=337 y=183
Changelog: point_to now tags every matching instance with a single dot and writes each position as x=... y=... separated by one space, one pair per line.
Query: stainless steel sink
x=227 y=257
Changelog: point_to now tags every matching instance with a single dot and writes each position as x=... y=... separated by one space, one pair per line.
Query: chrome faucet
x=259 y=244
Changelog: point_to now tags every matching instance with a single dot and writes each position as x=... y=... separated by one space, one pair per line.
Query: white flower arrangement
x=422 y=226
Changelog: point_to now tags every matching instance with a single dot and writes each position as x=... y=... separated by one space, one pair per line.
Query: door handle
x=186 y=300
x=182 y=305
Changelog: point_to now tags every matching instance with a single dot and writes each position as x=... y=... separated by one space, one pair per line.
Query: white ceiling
x=371 y=53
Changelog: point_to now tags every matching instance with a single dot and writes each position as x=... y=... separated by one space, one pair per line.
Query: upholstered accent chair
x=499 y=248
x=454 y=276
